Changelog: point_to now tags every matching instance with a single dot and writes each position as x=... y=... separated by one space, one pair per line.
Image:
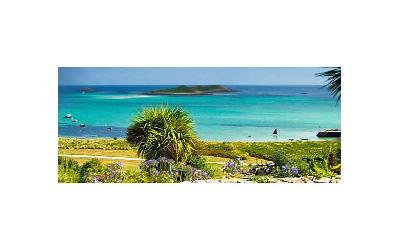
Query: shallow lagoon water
x=251 y=114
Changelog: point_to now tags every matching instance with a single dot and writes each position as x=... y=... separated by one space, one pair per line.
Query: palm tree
x=163 y=132
x=333 y=81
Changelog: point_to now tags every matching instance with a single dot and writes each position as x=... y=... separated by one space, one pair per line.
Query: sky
x=189 y=75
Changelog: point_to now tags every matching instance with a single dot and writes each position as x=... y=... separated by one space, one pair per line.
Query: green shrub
x=68 y=171
x=321 y=172
x=259 y=179
x=280 y=158
x=141 y=176
x=197 y=161
x=136 y=176
x=183 y=172
x=215 y=172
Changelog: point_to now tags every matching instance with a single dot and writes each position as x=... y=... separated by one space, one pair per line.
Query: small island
x=192 y=90
x=87 y=89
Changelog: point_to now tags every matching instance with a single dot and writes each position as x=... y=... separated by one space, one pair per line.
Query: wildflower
x=285 y=168
x=232 y=164
x=156 y=172
x=294 y=171
x=205 y=174
x=162 y=159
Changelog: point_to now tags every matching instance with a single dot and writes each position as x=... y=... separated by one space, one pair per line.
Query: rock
x=323 y=180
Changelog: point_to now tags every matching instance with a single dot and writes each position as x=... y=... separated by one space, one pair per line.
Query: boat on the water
x=331 y=133
x=68 y=116
x=74 y=120
x=82 y=125
x=275 y=133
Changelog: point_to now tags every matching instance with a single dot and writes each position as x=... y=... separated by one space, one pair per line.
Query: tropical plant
x=163 y=132
x=333 y=81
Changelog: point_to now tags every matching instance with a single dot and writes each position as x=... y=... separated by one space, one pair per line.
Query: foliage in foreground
x=333 y=81
x=290 y=159
x=163 y=132
x=161 y=170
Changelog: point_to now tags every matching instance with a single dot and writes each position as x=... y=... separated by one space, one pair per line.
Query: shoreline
x=211 y=141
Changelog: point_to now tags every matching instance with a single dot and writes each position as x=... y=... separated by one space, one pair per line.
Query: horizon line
x=193 y=84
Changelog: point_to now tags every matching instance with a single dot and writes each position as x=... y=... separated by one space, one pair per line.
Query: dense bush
x=208 y=170
x=280 y=158
x=68 y=171
x=214 y=172
x=197 y=161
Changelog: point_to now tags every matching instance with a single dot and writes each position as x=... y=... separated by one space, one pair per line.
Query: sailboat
x=275 y=133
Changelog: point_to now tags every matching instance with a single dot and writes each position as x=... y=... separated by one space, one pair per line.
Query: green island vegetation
x=161 y=147
x=192 y=90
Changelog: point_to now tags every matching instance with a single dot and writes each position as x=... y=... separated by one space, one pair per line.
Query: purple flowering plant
x=233 y=166
x=112 y=173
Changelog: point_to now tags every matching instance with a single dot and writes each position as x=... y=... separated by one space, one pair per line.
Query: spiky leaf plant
x=163 y=132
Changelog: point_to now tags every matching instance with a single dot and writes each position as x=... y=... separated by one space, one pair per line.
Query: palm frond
x=333 y=81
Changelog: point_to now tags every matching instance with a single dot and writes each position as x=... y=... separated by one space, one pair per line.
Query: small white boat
x=74 y=120
x=82 y=125
x=68 y=116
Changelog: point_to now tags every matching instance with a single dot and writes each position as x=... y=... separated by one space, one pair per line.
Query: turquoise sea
x=251 y=114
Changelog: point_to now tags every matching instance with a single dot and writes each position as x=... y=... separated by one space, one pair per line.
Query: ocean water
x=251 y=114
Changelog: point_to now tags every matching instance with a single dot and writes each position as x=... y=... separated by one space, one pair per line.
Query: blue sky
x=189 y=75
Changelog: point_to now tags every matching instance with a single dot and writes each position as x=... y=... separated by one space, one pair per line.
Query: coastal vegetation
x=192 y=90
x=311 y=160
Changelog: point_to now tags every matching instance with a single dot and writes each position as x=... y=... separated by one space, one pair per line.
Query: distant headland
x=87 y=89
x=192 y=90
